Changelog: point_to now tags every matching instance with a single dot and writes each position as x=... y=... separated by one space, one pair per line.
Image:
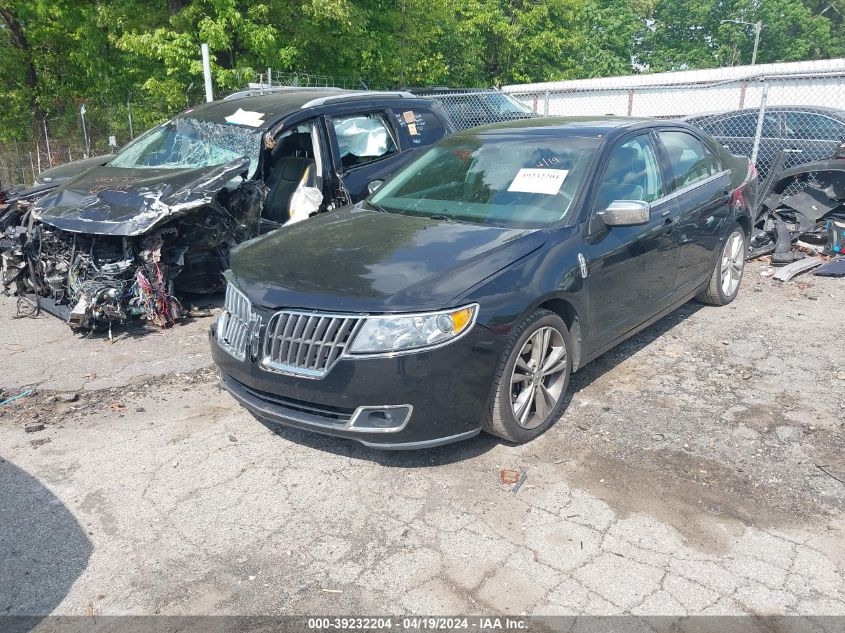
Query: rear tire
x=727 y=273
x=529 y=393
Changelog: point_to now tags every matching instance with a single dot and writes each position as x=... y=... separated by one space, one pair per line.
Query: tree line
x=142 y=56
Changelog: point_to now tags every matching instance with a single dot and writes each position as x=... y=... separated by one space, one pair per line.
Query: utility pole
x=758 y=27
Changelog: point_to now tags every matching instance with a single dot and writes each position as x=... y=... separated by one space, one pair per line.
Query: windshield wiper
x=440 y=216
x=376 y=207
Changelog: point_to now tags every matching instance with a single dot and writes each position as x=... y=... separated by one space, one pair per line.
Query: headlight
x=385 y=334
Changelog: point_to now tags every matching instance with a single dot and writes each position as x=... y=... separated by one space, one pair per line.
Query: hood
x=359 y=260
x=55 y=175
x=116 y=201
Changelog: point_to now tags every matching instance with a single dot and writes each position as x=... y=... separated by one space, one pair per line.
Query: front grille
x=307 y=343
x=234 y=327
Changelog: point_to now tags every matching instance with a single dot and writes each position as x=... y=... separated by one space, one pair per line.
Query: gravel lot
x=696 y=470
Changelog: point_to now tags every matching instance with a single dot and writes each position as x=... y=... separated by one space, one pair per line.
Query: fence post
x=206 y=72
x=47 y=141
x=129 y=112
x=21 y=170
x=630 y=101
x=85 y=132
x=546 y=105
x=760 y=115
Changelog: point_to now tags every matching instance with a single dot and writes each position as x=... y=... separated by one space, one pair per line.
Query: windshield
x=505 y=104
x=528 y=182
x=189 y=143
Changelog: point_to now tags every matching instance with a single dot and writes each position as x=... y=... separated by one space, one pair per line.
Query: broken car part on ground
x=801 y=213
x=123 y=240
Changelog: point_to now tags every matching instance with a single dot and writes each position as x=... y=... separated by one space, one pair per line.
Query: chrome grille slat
x=306 y=343
x=315 y=349
x=295 y=340
x=235 y=334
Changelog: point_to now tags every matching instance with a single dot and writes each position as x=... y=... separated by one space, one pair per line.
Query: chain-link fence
x=758 y=117
x=20 y=163
x=59 y=137
x=796 y=115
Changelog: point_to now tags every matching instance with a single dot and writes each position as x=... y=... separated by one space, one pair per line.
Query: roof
x=833 y=112
x=277 y=104
x=273 y=106
x=444 y=90
x=707 y=75
x=586 y=126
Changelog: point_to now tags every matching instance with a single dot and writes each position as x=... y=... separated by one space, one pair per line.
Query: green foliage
x=683 y=35
x=107 y=53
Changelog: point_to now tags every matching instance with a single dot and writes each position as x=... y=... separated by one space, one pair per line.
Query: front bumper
x=444 y=391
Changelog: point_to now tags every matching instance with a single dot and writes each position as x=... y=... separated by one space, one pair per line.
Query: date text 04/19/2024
x=417 y=623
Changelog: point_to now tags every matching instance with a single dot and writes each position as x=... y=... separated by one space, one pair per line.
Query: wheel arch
x=745 y=223
x=567 y=311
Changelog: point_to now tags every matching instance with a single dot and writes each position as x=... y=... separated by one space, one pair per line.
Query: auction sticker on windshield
x=545 y=181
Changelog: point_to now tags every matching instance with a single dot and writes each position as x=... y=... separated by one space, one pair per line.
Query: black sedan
x=462 y=295
x=803 y=133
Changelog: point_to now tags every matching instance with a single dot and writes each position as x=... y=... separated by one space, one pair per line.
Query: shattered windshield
x=188 y=144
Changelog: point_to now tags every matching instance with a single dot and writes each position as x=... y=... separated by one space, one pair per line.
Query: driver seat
x=293 y=163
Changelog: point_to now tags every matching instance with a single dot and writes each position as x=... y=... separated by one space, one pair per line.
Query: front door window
x=363 y=138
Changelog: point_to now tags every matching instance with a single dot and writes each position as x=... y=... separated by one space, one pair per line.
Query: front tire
x=532 y=380
x=727 y=273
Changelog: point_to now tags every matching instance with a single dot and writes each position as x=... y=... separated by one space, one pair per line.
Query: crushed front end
x=95 y=279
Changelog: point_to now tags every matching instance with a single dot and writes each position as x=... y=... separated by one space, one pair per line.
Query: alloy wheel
x=733 y=260
x=538 y=377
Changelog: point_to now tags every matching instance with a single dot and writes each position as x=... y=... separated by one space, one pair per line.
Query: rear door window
x=745 y=126
x=418 y=127
x=812 y=127
x=363 y=138
x=689 y=159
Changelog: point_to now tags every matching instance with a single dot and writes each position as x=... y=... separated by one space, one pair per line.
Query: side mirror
x=374 y=186
x=626 y=213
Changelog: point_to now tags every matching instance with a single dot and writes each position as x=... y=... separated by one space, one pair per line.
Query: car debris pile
x=92 y=258
x=800 y=219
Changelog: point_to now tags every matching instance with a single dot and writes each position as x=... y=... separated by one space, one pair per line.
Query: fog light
x=389 y=418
